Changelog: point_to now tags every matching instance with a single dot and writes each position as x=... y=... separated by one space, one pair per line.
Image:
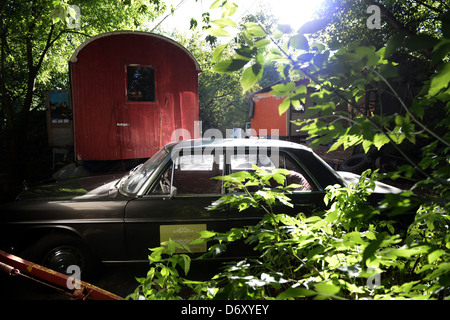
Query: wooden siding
x=266 y=115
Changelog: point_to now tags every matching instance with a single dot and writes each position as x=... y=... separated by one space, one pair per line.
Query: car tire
x=59 y=251
x=355 y=164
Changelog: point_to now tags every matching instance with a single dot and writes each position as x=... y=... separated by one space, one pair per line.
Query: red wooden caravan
x=130 y=91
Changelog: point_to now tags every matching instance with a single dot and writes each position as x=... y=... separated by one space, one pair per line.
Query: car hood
x=80 y=188
x=380 y=187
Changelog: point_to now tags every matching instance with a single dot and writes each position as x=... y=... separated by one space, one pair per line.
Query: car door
x=176 y=206
x=305 y=198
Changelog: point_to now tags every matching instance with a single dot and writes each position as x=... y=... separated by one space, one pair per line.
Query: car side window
x=296 y=175
x=244 y=162
x=164 y=186
x=192 y=174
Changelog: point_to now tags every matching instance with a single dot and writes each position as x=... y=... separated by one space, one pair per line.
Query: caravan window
x=141 y=83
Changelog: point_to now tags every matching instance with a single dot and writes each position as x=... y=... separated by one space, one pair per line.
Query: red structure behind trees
x=130 y=92
x=266 y=119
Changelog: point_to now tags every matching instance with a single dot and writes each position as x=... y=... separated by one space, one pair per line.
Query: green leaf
x=327 y=289
x=366 y=145
x=59 y=13
x=255 y=30
x=380 y=140
x=406 y=252
x=295 y=293
x=296 y=103
x=368 y=55
x=440 y=50
x=305 y=57
x=262 y=43
x=283 y=89
x=282 y=108
x=185 y=263
x=240 y=175
x=171 y=246
x=321 y=96
x=394 y=43
x=156 y=254
x=205 y=234
x=230 y=65
x=246 y=52
x=218 y=32
x=301 y=90
x=226 y=22
x=313 y=26
x=420 y=42
x=216 y=4
x=441 y=80
x=332 y=216
x=320 y=59
x=371 y=235
x=433 y=256
x=251 y=76
x=300 y=42
x=279 y=178
x=284 y=28
x=323 y=109
x=218 y=52
x=230 y=8
x=336 y=145
x=372 y=247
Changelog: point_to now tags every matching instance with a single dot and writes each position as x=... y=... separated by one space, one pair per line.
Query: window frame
x=171 y=166
x=127 y=83
x=226 y=169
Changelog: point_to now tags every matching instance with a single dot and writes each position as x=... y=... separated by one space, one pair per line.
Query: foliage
x=36 y=41
x=351 y=250
x=163 y=280
x=345 y=76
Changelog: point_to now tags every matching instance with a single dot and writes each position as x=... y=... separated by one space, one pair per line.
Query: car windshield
x=138 y=176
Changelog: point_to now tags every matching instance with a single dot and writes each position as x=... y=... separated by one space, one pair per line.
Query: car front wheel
x=59 y=251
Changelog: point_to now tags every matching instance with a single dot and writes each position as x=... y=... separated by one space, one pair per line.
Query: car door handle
x=123 y=124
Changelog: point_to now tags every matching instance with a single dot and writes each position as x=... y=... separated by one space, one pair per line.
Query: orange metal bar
x=33 y=270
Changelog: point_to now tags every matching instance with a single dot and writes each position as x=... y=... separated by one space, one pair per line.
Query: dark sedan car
x=165 y=197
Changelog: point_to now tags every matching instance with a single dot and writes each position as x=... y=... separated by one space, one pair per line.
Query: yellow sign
x=183 y=234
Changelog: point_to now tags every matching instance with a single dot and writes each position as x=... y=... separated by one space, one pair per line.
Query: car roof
x=235 y=142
